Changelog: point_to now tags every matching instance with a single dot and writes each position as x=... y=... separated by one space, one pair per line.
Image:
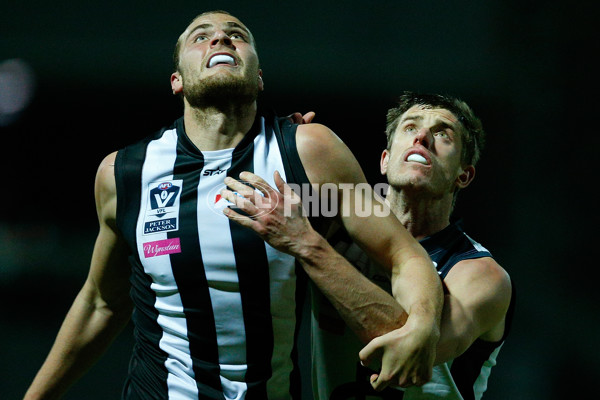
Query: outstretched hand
x=276 y=215
x=406 y=355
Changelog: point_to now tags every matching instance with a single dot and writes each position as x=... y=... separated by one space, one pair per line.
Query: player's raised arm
x=367 y=309
x=415 y=283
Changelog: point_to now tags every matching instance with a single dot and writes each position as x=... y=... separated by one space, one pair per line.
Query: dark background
x=101 y=72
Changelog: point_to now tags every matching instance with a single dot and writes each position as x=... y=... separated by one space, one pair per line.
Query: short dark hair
x=179 y=42
x=473 y=135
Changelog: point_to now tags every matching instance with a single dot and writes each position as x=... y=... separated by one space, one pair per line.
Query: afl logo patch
x=162 y=209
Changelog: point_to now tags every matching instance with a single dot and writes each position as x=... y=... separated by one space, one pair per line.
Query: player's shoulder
x=480 y=267
x=315 y=137
x=108 y=161
x=325 y=157
x=484 y=275
x=105 y=175
x=107 y=165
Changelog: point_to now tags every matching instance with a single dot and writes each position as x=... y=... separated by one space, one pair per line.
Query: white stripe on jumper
x=221 y=274
x=158 y=165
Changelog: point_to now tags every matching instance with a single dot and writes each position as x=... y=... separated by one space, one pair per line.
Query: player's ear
x=176 y=83
x=465 y=177
x=383 y=163
x=261 y=83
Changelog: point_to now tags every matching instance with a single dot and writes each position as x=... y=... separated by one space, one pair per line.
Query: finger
x=258 y=182
x=279 y=182
x=283 y=187
x=240 y=219
x=239 y=187
x=405 y=382
x=418 y=381
x=373 y=379
x=308 y=117
x=405 y=379
x=260 y=203
x=243 y=203
x=295 y=118
x=367 y=352
x=422 y=377
x=378 y=383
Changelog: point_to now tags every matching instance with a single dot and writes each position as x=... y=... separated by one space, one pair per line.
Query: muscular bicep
x=331 y=166
x=475 y=306
x=326 y=159
x=108 y=279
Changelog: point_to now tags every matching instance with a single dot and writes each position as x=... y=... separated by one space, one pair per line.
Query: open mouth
x=221 y=59
x=417 y=158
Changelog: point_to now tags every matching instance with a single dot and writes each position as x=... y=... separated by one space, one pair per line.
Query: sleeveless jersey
x=216 y=308
x=337 y=372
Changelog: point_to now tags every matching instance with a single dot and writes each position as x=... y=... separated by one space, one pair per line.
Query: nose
x=221 y=38
x=423 y=137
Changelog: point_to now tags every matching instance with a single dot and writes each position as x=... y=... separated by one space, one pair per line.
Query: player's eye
x=410 y=128
x=200 y=38
x=237 y=36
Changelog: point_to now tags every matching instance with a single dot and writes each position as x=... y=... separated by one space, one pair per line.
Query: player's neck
x=422 y=216
x=216 y=129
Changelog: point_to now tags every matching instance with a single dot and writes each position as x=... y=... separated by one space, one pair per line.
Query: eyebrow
x=229 y=24
x=438 y=121
x=409 y=117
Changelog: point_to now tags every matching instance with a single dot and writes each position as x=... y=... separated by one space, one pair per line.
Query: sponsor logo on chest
x=162 y=247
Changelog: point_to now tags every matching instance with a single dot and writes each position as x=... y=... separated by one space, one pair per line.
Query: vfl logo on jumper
x=162 y=247
x=163 y=212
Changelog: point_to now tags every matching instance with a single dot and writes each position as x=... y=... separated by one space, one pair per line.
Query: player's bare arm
x=101 y=309
x=479 y=293
x=475 y=306
x=367 y=309
x=327 y=160
x=415 y=283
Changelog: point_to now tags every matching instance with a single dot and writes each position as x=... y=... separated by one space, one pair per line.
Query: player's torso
x=222 y=301
x=335 y=376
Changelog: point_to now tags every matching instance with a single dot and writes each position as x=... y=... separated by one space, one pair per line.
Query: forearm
x=366 y=308
x=418 y=288
x=87 y=331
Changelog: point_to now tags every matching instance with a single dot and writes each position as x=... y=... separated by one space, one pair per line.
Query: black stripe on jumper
x=143 y=378
x=253 y=274
x=189 y=273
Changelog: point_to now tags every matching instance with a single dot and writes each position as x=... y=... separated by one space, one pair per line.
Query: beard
x=220 y=91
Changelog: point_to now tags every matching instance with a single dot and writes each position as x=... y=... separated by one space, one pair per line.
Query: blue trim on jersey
x=449 y=246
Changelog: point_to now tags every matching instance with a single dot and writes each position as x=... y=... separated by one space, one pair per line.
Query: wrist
x=427 y=325
x=311 y=248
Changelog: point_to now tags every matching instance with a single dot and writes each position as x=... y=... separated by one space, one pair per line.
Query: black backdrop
x=101 y=74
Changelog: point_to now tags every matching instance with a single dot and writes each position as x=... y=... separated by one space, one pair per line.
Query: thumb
x=279 y=182
x=368 y=352
x=284 y=188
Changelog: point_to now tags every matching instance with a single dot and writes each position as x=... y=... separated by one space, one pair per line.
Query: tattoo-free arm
x=101 y=309
x=368 y=310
